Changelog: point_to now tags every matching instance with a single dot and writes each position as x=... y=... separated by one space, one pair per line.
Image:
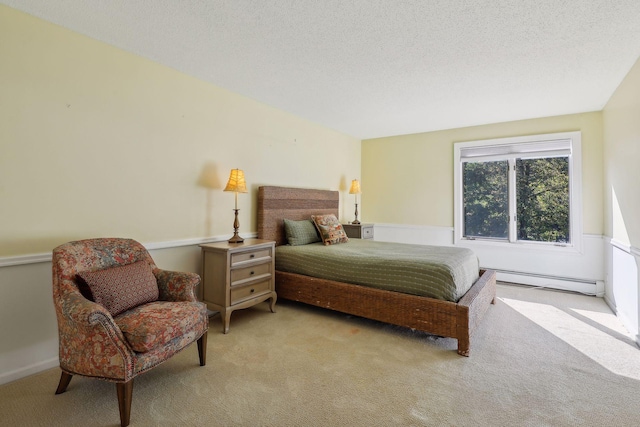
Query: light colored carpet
x=540 y=358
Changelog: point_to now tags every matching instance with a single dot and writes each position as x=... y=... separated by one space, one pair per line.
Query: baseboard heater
x=583 y=286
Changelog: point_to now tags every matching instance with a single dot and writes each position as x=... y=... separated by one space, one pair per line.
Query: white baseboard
x=25 y=371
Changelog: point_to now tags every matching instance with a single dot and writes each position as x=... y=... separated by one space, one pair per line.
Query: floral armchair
x=119 y=315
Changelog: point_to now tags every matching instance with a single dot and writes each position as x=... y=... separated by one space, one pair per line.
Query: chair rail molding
x=46 y=257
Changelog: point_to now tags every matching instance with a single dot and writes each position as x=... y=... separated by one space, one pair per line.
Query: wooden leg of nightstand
x=226 y=319
x=272 y=303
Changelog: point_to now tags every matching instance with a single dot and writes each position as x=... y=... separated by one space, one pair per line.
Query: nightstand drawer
x=358 y=231
x=241 y=257
x=252 y=290
x=240 y=274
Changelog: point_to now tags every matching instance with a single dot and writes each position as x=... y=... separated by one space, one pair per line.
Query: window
x=519 y=190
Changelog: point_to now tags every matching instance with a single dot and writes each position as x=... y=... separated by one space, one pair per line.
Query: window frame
x=518 y=147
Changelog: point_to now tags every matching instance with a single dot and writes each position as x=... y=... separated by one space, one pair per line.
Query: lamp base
x=236 y=239
x=355 y=221
x=236 y=224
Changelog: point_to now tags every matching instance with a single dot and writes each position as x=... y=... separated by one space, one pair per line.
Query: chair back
x=72 y=258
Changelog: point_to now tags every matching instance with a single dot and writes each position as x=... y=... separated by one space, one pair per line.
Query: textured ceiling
x=379 y=68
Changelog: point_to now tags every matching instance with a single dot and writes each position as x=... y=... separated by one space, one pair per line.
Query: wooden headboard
x=278 y=203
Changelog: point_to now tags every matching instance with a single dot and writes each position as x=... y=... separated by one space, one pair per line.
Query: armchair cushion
x=121 y=288
x=155 y=324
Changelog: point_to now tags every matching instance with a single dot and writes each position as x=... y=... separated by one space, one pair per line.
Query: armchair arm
x=90 y=341
x=176 y=285
x=82 y=314
x=77 y=309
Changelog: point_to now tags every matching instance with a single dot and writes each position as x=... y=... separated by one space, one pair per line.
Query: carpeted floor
x=540 y=358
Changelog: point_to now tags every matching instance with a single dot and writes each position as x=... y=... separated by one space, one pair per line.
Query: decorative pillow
x=300 y=232
x=121 y=288
x=330 y=229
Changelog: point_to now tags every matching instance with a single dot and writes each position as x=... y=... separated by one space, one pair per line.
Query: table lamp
x=355 y=189
x=237 y=185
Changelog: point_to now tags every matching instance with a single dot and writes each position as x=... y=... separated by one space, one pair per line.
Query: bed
x=454 y=319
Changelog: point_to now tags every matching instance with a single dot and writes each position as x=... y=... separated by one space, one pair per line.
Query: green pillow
x=300 y=232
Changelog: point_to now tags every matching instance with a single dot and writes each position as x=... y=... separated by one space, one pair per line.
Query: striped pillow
x=121 y=288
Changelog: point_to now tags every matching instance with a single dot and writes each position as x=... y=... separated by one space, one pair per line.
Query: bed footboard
x=444 y=318
x=472 y=306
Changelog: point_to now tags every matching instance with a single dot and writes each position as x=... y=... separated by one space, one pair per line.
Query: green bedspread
x=440 y=272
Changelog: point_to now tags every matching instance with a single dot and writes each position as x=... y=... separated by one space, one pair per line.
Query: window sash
x=512 y=205
x=503 y=182
x=531 y=213
x=566 y=144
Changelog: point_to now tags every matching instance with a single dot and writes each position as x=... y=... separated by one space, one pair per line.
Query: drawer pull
x=253 y=290
x=252 y=273
x=252 y=256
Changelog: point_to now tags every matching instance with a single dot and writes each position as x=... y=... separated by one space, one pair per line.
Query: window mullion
x=513 y=235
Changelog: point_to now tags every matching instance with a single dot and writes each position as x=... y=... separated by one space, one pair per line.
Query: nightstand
x=238 y=275
x=358 y=231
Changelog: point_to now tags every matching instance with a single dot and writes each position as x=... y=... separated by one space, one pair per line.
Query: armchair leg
x=202 y=349
x=65 y=379
x=125 y=393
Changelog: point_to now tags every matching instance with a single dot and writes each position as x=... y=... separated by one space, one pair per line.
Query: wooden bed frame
x=443 y=318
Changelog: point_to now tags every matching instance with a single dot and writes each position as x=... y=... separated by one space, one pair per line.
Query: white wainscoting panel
x=623 y=284
x=557 y=268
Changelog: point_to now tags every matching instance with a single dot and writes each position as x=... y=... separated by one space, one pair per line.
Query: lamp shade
x=355 y=187
x=236 y=182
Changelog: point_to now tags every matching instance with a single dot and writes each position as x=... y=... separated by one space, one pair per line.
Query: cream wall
x=96 y=142
x=621 y=117
x=408 y=179
x=622 y=161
